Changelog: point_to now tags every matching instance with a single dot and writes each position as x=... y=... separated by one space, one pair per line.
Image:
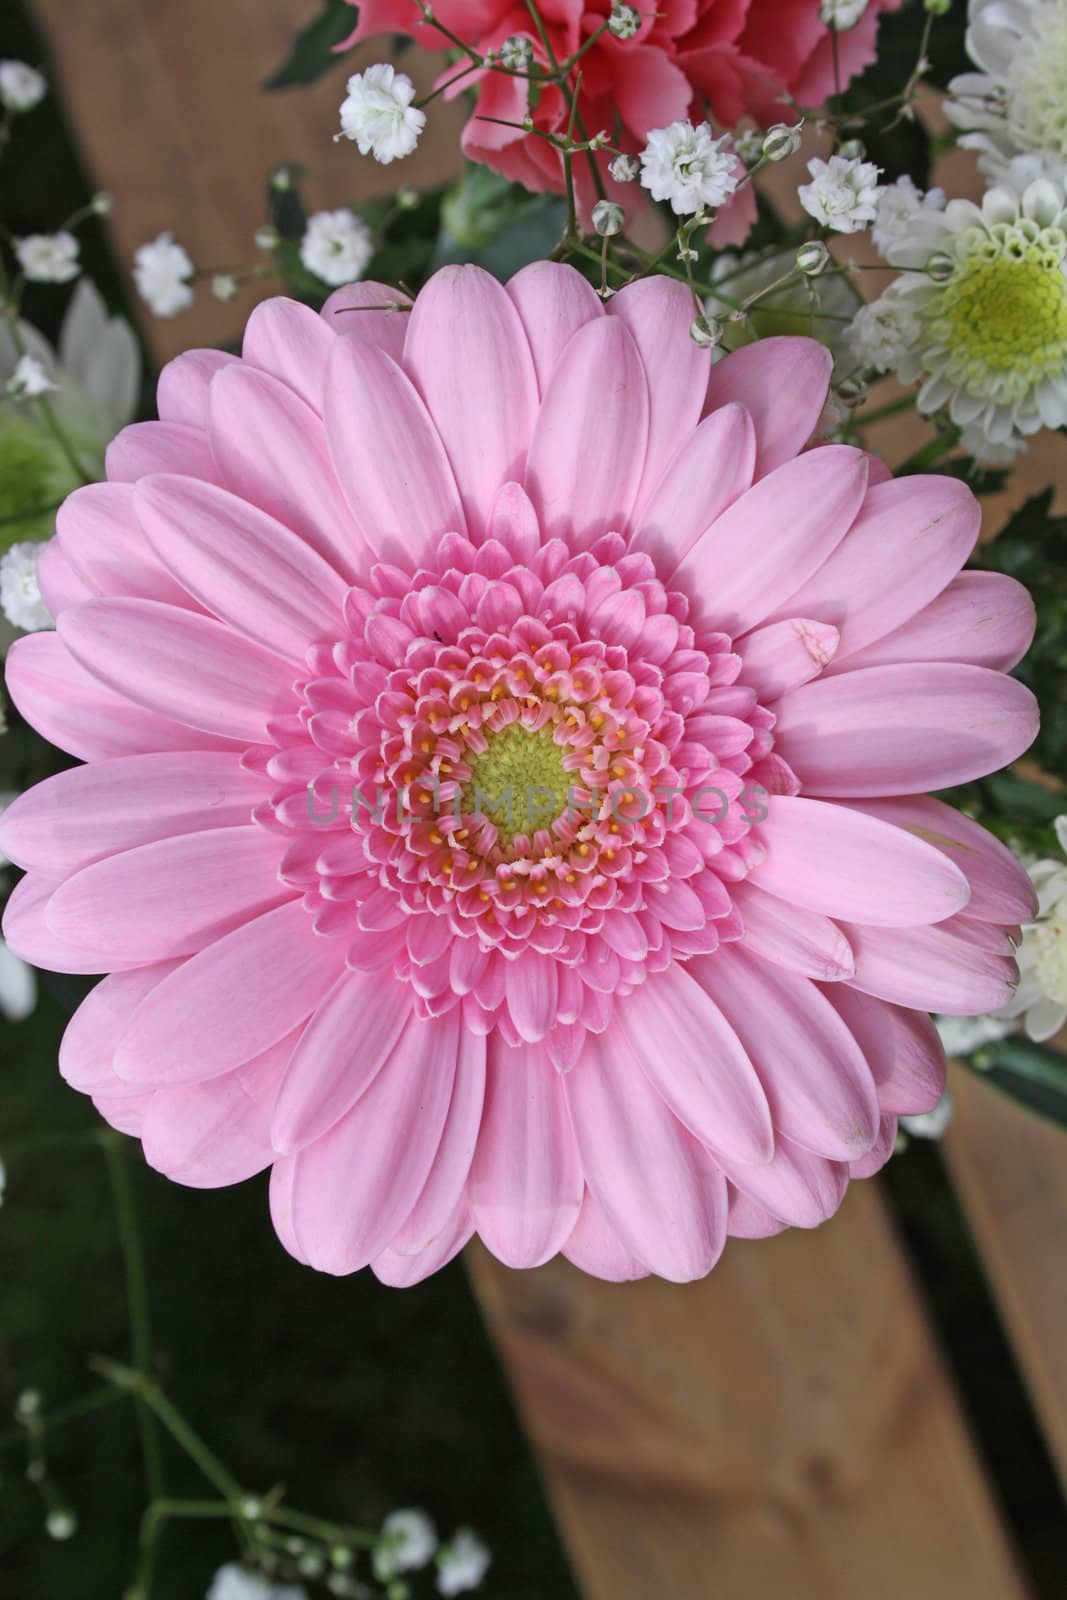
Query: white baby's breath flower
x=234 y=1582
x=961 y=1035
x=897 y=204
x=841 y=14
x=21 y=86
x=884 y=335
x=48 y=257
x=1015 y=103
x=377 y=113
x=337 y=246
x=30 y=379
x=18 y=985
x=20 y=594
x=843 y=193
x=162 y=271
x=932 y=1124
x=686 y=166
x=462 y=1563
x=408 y=1542
x=1041 y=998
x=224 y=286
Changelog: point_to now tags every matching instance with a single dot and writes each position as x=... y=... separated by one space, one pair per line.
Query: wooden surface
x=165 y=97
x=783 y=1429
x=1010 y=1173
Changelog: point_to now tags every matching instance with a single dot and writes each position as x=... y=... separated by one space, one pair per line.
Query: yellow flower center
x=519 y=783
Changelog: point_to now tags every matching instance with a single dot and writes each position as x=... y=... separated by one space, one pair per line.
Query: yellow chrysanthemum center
x=1037 y=105
x=1002 y=315
x=1050 y=945
x=519 y=783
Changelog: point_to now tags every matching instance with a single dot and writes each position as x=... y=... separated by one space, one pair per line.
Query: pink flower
x=734 y=58
x=510 y=539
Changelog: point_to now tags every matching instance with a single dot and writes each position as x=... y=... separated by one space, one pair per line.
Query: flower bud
x=624 y=169
x=224 y=286
x=624 y=21
x=406 y=199
x=705 y=332
x=937 y=8
x=608 y=218
x=267 y=238
x=61 y=1524
x=749 y=145
x=780 y=142
x=516 y=53
x=101 y=204
x=812 y=257
x=852 y=150
x=940 y=266
x=851 y=391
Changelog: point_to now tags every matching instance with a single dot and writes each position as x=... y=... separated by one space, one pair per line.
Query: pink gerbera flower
x=504 y=749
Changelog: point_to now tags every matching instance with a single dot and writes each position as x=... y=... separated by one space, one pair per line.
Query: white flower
x=685 y=165
x=224 y=286
x=977 y=443
x=21 y=87
x=48 y=257
x=29 y=379
x=1041 y=998
x=161 y=271
x=1015 y=103
x=843 y=193
x=20 y=596
x=462 y=1563
x=988 y=289
x=841 y=14
x=408 y=1541
x=897 y=205
x=961 y=1035
x=378 y=116
x=234 y=1582
x=337 y=246
x=930 y=1124
x=884 y=335
x=18 y=985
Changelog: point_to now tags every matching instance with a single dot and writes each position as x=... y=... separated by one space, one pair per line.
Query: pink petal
x=374 y=413
x=782 y=383
x=353 y=1189
x=532 y=994
x=554 y=302
x=184 y=388
x=170 y=897
x=800 y=1188
x=180 y=665
x=73 y=710
x=526 y=1179
x=596 y=1248
x=272 y=450
x=712 y=468
x=902 y=1049
x=351 y=1036
x=659 y=313
x=785 y=654
x=784 y=933
x=661 y=1191
x=820 y=1089
x=698 y=1065
x=28 y=932
x=931 y=969
x=483 y=404
x=232 y=1001
x=403 y=1271
x=846 y=863
x=982 y=618
x=289 y=341
x=907 y=543
x=57 y=580
x=588 y=449
x=87 y=1049
x=241 y=564
x=442 y=1195
x=750 y=558
x=105 y=544
x=903 y=729
x=146 y=447
x=355 y=312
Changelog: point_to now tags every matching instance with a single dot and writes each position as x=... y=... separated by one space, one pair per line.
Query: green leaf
x=313 y=49
x=1029 y=1073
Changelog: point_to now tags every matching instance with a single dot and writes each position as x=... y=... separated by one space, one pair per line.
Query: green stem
x=96 y=1400
x=137 y=1307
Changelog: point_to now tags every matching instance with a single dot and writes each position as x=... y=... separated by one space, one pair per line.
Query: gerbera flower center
x=1037 y=106
x=1002 y=316
x=519 y=781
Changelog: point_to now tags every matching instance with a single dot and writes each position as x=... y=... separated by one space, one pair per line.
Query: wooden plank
x=785 y=1427
x=165 y=99
x=1010 y=1173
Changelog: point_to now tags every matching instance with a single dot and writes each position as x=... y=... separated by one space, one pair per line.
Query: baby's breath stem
x=137 y=1306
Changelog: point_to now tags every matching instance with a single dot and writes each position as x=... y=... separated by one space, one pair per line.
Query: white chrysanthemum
x=1041 y=998
x=48 y=257
x=932 y=1124
x=897 y=205
x=18 y=986
x=961 y=1035
x=686 y=166
x=234 y=1582
x=337 y=246
x=817 y=308
x=841 y=14
x=462 y=1563
x=20 y=593
x=988 y=289
x=30 y=379
x=843 y=193
x=161 y=271
x=1015 y=103
x=21 y=86
x=378 y=115
x=408 y=1542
